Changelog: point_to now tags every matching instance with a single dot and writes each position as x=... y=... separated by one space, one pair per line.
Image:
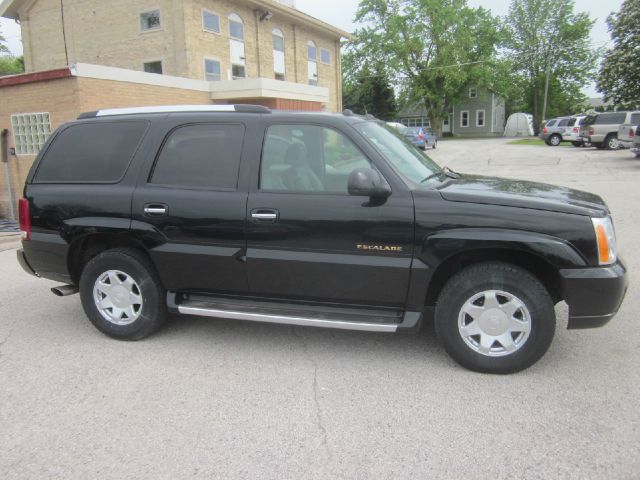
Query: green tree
x=548 y=46
x=619 y=77
x=370 y=91
x=11 y=65
x=434 y=48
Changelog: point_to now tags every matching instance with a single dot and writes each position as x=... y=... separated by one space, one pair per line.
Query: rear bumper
x=594 y=295
x=22 y=260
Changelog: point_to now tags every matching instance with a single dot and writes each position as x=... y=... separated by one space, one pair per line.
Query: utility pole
x=546 y=91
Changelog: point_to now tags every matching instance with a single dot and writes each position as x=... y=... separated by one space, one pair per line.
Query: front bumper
x=594 y=295
x=22 y=260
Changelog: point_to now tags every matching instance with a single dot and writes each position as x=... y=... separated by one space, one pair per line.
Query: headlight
x=606 y=239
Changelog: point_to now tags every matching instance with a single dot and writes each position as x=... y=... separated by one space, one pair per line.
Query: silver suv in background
x=627 y=132
x=553 y=129
x=601 y=129
x=572 y=131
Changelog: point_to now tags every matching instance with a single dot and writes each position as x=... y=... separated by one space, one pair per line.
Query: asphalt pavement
x=210 y=398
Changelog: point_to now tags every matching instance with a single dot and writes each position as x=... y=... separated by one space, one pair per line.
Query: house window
x=210 y=22
x=278 y=54
x=238 y=72
x=464 y=118
x=212 y=71
x=473 y=92
x=150 y=21
x=153 y=67
x=30 y=132
x=325 y=56
x=312 y=63
x=236 y=27
x=480 y=118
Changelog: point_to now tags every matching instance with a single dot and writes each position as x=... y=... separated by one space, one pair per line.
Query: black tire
x=509 y=279
x=577 y=144
x=435 y=144
x=611 y=142
x=153 y=311
x=555 y=140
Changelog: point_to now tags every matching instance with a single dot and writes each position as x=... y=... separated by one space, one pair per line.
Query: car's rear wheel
x=122 y=294
x=611 y=142
x=495 y=318
x=554 y=140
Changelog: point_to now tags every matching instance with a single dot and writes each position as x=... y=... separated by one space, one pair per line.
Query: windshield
x=401 y=155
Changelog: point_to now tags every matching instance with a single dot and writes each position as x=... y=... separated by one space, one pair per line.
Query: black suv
x=326 y=220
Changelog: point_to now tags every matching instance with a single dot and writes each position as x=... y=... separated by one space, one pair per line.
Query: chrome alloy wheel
x=494 y=323
x=117 y=297
x=555 y=140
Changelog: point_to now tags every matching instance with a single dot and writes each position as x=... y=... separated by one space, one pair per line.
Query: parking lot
x=220 y=399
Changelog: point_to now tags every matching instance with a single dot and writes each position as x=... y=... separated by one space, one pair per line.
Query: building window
x=212 y=71
x=278 y=54
x=236 y=27
x=153 y=67
x=150 y=21
x=416 y=122
x=480 y=118
x=325 y=56
x=473 y=92
x=238 y=72
x=30 y=132
x=210 y=22
x=312 y=63
x=464 y=118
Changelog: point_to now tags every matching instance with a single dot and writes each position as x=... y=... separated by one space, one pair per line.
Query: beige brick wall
x=108 y=33
x=58 y=97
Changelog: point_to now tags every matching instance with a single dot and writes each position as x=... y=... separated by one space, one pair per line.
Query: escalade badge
x=380 y=248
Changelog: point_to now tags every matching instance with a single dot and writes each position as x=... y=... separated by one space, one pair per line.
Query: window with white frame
x=464 y=118
x=279 y=66
x=30 y=132
x=325 y=56
x=473 y=92
x=212 y=70
x=236 y=46
x=150 y=21
x=236 y=27
x=312 y=63
x=480 y=114
x=210 y=21
x=416 y=122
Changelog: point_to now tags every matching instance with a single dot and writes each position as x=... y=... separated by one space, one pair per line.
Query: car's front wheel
x=611 y=142
x=495 y=318
x=122 y=294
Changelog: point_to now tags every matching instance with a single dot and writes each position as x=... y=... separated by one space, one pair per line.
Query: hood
x=523 y=194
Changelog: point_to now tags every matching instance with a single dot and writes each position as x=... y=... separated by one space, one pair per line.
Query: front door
x=308 y=239
x=190 y=206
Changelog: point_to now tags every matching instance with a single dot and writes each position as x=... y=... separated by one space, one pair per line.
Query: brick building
x=83 y=55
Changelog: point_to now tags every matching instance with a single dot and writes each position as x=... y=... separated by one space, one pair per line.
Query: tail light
x=24 y=217
x=591 y=131
x=545 y=130
x=576 y=129
x=632 y=133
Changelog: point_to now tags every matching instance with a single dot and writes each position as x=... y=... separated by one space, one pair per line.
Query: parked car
x=553 y=130
x=572 y=131
x=417 y=136
x=628 y=131
x=309 y=219
x=601 y=129
x=635 y=147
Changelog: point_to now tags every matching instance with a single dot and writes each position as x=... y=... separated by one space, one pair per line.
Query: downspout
x=257 y=20
x=4 y=146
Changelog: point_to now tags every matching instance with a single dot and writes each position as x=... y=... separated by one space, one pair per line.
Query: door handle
x=155 y=209
x=264 y=215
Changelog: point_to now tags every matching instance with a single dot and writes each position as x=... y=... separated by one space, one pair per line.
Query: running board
x=364 y=319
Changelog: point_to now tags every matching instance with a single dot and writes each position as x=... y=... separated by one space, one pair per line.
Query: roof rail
x=240 y=108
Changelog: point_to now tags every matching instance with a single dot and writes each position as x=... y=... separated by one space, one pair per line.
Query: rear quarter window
x=91 y=153
x=610 y=118
x=564 y=122
x=572 y=122
x=635 y=119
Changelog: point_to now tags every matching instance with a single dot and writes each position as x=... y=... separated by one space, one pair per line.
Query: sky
x=341 y=13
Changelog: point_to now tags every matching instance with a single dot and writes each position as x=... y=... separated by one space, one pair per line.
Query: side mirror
x=367 y=182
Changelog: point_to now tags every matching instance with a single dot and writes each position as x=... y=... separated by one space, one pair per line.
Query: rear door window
x=635 y=119
x=201 y=156
x=91 y=153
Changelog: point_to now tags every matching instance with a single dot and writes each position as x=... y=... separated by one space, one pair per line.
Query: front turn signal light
x=606 y=240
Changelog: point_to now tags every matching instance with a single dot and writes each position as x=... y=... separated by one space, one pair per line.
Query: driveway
x=218 y=399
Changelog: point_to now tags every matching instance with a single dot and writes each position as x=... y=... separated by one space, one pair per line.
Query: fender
x=436 y=248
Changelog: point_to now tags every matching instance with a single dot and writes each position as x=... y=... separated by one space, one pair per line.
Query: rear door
x=189 y=207
x=307 y=238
